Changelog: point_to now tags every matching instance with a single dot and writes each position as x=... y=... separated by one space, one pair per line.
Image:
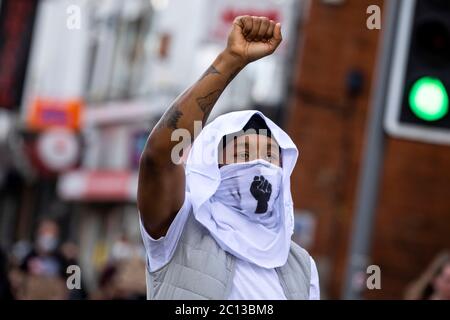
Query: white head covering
x=233 y=234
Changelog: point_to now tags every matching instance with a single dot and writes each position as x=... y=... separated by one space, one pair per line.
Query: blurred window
x=117 y=53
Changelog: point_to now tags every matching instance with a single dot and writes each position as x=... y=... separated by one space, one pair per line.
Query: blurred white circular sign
x=58 y=149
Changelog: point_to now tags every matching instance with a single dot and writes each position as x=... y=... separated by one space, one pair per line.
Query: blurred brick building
x=328 y=124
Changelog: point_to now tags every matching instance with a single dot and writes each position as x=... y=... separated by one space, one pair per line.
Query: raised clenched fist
x=252 y=38
x=261 y=189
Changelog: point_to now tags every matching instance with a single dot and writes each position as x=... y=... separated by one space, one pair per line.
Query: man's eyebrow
x=269 y=145
x=244 y=143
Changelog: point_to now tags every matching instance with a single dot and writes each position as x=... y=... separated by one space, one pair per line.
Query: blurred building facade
x=99 y=76
x=95 y=86
x=329 y=125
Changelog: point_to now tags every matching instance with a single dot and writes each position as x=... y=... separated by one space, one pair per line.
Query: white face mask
x=47 y=242
x=250 y=188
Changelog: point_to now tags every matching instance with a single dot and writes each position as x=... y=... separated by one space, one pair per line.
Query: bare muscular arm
x=161 y=187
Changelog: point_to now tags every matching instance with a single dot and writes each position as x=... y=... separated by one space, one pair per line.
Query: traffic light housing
x=419 y=84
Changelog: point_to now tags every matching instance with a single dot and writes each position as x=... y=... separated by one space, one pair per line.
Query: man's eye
x=244 y=156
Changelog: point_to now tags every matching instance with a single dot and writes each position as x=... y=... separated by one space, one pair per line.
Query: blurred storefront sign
x=118 y=113
x=58 y=149
x=16 y=29
x=53 y=141
x=85 y=185
x=48 y=153
x=49 y=113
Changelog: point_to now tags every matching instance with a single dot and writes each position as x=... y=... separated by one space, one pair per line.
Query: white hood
x=203 y=179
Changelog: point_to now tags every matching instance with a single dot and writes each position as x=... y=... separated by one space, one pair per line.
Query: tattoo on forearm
x=171 y=118
x=172 y=121
x=211 y=70
x=207 y=102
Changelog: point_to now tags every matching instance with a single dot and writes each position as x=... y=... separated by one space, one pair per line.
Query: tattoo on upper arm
x=207 y=102
x=171 y=117
x=172 y=121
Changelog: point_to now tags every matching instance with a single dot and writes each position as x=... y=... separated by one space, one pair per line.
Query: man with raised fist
x=219 y=226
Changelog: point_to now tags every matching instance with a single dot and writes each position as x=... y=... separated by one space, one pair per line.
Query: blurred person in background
x=19 y=251
x=123 y=278
x=129 y=278
x=45 y=258
x=5 y=286
x=434 y=283
x=222 y=229
x=45 y=266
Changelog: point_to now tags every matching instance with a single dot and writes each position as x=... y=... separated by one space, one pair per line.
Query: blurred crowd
x=40 y=270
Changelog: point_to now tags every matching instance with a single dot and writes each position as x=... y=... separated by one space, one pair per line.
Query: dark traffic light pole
x=358 y=259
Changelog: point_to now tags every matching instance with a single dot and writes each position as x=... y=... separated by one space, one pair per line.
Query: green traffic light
x=428 y=99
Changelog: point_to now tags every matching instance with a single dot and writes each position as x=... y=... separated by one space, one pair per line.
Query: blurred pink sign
x=84 y=185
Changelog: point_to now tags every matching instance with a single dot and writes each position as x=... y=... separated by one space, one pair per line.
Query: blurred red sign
x=49 y=113
x=84 y=185
x=58 y=149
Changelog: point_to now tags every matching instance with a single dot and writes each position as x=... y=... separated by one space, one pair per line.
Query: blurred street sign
x=50 y=113
x=419 y=84
x=16 y=29
x=85 y=185
x=58 y=149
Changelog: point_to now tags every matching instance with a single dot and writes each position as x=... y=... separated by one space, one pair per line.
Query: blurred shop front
x=17 y=19
x=82 y=77
x=100 y=74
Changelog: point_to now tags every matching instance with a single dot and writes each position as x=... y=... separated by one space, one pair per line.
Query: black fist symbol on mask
x=261 y=189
